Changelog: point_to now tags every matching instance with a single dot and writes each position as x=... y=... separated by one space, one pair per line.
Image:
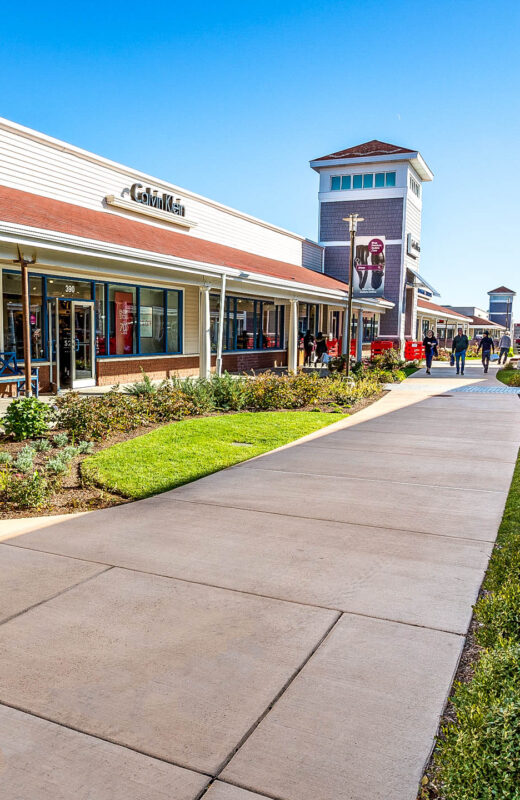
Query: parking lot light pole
x=352 y=220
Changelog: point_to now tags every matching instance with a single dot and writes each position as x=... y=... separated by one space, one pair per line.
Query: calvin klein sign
x=152 y=198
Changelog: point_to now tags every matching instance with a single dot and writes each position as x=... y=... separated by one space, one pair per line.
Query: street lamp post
x=352 y=220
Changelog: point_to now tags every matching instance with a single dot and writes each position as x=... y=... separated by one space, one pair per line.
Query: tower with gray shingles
x=383 y=184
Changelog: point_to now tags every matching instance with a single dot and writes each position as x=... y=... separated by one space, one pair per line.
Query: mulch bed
x=74 y=495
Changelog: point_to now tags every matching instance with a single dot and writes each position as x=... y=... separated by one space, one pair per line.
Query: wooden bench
x=10 y=373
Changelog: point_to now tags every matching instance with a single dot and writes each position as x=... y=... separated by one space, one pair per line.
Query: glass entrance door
x=82 y=340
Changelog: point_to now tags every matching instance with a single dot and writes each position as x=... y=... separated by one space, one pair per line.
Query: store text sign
x=151 y=197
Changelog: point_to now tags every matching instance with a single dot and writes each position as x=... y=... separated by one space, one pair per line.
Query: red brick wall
x=245 y=361
x=129 y=370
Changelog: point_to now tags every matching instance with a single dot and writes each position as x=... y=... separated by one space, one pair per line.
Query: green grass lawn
x=409 y=370
x=187 y=450
x=511 y=377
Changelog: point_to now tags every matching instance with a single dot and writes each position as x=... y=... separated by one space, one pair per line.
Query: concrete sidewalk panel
x=29 y=577
x=426 y=444
x=434 y=471
x=358 y=721
x=43 y=761
x=405 y=576
x=171 y=669
x=411 y=421
x=415 y=507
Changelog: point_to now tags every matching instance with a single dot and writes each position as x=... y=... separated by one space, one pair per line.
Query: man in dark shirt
x=459 y=347
x=487 y=344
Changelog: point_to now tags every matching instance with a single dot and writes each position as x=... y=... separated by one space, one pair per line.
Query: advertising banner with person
x=369 y=266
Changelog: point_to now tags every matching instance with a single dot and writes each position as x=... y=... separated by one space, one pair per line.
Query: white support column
x=359 y=341
x=204 y=333
x=221 y=319
x=292 y=344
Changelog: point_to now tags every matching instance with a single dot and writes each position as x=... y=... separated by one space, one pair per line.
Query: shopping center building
x=129 y=272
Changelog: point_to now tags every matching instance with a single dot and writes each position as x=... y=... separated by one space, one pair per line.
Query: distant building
x=501 y=306
x=383 y=184
x=480 y=322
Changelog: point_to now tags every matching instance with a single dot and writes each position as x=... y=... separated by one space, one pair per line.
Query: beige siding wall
x=191 y=320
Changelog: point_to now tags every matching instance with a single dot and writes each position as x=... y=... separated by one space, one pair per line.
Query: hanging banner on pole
x=369 y=266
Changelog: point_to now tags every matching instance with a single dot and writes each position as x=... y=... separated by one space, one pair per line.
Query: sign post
x=352 y=220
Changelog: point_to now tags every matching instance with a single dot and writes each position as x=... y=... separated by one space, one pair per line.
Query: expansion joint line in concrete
x=247 y=592
x=279 y=694
x=336 y=521
x=371 y=480
x=58 y=594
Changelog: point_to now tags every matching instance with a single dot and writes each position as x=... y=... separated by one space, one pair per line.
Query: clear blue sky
x=232 y=99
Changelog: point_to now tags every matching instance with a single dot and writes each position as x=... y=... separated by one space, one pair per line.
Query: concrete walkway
x=288 y=628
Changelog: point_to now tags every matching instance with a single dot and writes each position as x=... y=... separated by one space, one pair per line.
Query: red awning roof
x=441 y=310
x=35 y=211
x=483 y=322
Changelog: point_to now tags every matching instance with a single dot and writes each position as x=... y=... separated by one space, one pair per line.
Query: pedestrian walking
x=321 y=349
x=487 y=344
x=459 y=346
x=430 y=349
x=308 y=346
x=504 y=344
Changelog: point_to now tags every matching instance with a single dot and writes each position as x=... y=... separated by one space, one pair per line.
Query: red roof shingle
x=372 y=148
x=447 y=312
x=24 y=208
x=501 y=290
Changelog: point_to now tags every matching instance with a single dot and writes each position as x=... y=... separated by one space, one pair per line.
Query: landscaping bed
x=477 y=755
x=44 y=447
x=509 y=376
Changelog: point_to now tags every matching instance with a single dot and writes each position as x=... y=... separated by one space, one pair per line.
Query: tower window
x=368 y=180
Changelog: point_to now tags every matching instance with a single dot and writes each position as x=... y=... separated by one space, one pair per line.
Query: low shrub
x=5 y=457
x=26 y=418
x=499 y=615
x=57 y=465
x=60 y=439
x=25 y=459
x=32 y=491
x=116 y=412
x=142 y=387
x=85 y=447
x=479 y=757
x=42 y=445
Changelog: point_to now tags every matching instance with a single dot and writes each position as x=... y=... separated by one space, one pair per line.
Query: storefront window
x=173 y=328
x=13 y=318
x=370 y=328
x=307 y=318
x=248 y=324
x=151 y=320
x=70 y=288
x=122 y=319
x=272 y=326
x=245 y=322
x=101 y=320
